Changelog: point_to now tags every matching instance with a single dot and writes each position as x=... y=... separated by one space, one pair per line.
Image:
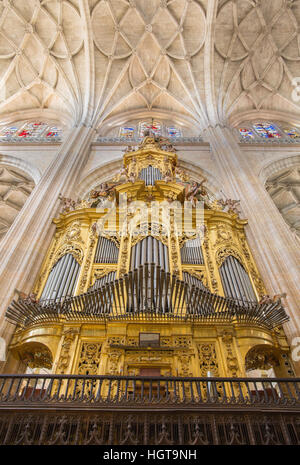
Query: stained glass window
x=173 y=132
x=127 y=132
x=154 y=126
x=267 y=130
x=292 y=132
x=8 y=132
x=246 y=133
x=53 y=132
x=32 y=130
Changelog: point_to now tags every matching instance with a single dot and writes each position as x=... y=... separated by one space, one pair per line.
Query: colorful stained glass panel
x=127 y=132
x=8 y=132
x=246 y=133
x=173 y=132
x=292 y=132
x=32 y=130
x=267 y=130
x=53 y=132
x=155 y=127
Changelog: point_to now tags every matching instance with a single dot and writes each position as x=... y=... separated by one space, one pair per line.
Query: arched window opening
x=36 y=131
x=235 y=280
x=62 y=279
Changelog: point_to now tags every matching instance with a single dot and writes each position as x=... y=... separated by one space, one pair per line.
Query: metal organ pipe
x=106 y=251
x=191 y=252
x=62 y=278
x=149 y=175
x=235 y=280
x=150 y=250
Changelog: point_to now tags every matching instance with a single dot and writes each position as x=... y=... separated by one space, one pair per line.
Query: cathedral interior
x=149 y=222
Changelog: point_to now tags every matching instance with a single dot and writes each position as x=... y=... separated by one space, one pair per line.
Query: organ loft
x=150 y=275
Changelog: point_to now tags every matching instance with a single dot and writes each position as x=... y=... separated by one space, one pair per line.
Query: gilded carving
x=184 y=365
x=208 y=360
x=88 y=261
x=114 y=357
x=224 y=233
x=89 y=359
x=72 y=249
x=225 y=252
x=210 y=266
x=65 y=353
x=231 y=359
x=124 y=256
x=116 y=340
x=182 y=341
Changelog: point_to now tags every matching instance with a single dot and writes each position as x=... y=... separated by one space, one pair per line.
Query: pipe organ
x=106 y=251
x=203 y=299
x=150 y=250
x=62 y=278
x=191 y=252
x=100 y=282
x=235 y=280
x=150 y=175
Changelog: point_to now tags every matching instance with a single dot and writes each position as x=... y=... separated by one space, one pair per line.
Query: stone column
x=24 y=246
x=269 y=237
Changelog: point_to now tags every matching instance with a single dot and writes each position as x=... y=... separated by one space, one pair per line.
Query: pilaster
x=269 y=236
x=24 y=246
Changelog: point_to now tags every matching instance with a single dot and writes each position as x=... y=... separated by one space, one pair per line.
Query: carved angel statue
x=29 y=298
x=97 y=196
x=168 y=177
x=230 y=204
x=181 y=174
x=132 y=175
x=266 y=299
x=194 y=190
x=67 y=203
x=122 y=174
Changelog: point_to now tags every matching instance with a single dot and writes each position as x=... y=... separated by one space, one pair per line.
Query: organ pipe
x=62 y=278
x=235 y=280
x=106 y=251
x=191 y=252
x=150 y=175
x=103 y=280
x=150 y=250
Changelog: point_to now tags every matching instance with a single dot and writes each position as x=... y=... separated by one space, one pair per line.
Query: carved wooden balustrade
x=59 y=409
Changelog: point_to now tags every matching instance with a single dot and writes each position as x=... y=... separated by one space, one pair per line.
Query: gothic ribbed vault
x=90 y=60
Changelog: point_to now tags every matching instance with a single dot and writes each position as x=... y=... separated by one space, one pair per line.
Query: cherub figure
x=122 y=174
x=29 y=298
x=96 y=197
x=231 y=205
x=267 y=299
x=193 y=190
x=168 y=177
x=67 y=203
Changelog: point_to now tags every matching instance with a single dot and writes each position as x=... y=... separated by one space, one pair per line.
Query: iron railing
x=136 y=391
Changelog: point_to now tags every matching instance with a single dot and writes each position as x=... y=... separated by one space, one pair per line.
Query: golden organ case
x=150 y=275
